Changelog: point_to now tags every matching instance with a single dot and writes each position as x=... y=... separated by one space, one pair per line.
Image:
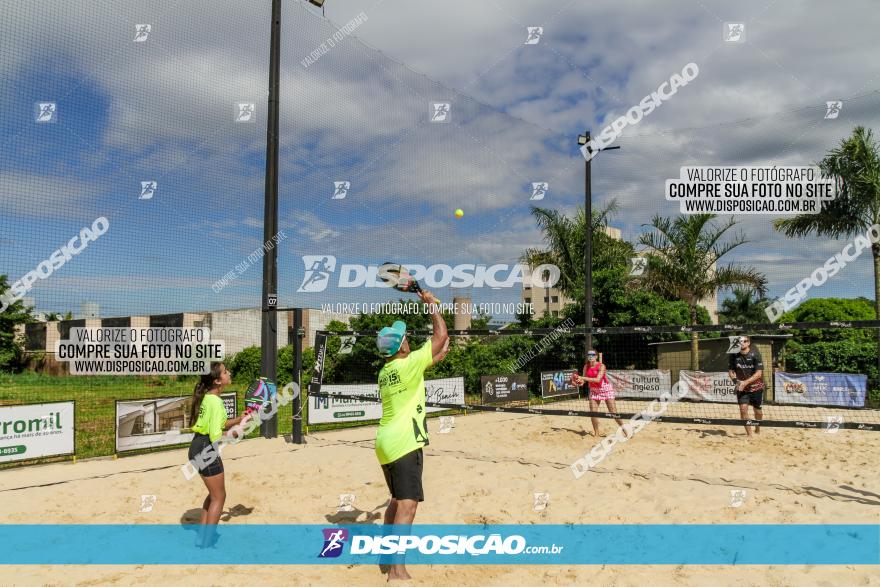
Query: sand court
x=488 y=469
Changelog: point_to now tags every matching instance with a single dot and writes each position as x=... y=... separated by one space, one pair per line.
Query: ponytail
x=205 y=384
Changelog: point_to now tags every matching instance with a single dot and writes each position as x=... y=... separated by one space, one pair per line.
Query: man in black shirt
x=747 y=369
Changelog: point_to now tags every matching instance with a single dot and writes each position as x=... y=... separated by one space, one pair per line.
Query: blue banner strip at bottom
x=526 y=544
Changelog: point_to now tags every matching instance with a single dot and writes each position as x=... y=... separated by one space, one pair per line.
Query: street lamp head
x=582 y=139
x=318 y=3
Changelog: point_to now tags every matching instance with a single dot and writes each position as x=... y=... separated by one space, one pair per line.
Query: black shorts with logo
x=199 y=443
x=404 y=476
x=752 y=398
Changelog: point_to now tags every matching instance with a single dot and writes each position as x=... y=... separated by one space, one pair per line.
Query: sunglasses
x=591 y=354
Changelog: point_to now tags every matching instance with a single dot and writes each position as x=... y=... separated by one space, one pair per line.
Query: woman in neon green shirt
x=209 y=415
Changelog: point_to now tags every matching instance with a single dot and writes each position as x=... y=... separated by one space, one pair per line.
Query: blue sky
x=164 y=110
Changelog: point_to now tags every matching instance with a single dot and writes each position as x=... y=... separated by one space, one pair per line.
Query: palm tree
x=855 y=167
x=565 y=237
x=683 y=257
x=52 y=316
x=743 y=308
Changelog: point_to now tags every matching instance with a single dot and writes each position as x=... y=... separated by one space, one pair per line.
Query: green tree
x=828 y=310
x=855 y=166
x=245 y=364
x=362 y=364
x=615 y=301
x=683 y=256
x=566 y=239
x=12 y=350
x=744 y=307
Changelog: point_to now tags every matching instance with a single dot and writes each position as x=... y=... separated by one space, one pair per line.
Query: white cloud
x=360 y=115
x=38 y=195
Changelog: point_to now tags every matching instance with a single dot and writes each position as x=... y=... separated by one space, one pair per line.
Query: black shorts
x=752 y=398
x=199 y=443
x=404 y=476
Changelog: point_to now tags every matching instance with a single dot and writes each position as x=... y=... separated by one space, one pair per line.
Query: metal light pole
x=584 y=141
x=299 y=334
x=269 y=325
x=269 y=303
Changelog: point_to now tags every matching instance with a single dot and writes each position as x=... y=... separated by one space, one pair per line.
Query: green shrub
x=245 y=364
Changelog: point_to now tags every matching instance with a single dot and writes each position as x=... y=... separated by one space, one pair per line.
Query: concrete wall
x=239 y=329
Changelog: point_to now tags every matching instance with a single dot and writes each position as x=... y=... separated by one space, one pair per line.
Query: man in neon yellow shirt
x=403 y=428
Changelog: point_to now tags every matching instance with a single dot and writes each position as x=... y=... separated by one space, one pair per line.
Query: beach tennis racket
x=259 y=393
x=397 y=276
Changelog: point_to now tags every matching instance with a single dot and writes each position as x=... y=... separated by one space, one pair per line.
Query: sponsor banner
x=423 y=544
x=158 y=421
x=558 y=383
x=320 y=355
x=704 y=386
x=36 y=430
x=229 y=400
x=821 y=389
x=505 y=388
x=325 y=410
x=645 y=384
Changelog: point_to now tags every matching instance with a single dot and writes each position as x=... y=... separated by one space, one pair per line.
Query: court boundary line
x=803 y=424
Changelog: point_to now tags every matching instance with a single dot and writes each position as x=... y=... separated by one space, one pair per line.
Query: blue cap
x=390 y=338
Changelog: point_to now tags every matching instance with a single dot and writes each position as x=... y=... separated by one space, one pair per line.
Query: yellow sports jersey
x=403 y=427
x=212 y=417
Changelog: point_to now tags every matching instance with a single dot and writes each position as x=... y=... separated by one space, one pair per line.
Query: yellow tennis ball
x=459 y=213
